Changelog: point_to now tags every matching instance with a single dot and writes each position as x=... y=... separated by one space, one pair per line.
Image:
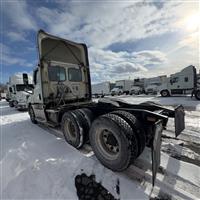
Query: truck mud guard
x=179 y=120
x=155 y=149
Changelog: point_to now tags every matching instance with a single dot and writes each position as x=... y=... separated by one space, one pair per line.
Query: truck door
x=38 y=105
x=175 y=85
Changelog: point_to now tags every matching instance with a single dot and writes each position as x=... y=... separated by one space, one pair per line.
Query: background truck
x=184 y=82
x=102 y=89
x=136 y=90
x=122 y=87
x=117 y=131
x=18 y=90
x=152 y=88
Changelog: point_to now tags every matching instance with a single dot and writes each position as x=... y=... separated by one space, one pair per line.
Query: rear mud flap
x=179 y=120
x=155 y=149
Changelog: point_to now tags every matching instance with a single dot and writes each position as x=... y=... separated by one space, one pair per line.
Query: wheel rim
x=164 y=93
x=70 y=129
x=108 y=144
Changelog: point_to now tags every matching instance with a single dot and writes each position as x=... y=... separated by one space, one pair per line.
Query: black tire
x=11 y=104
x=164 y=93
x=120 y=148
x=88 y=115
x=84 y=123
x=73 y=128
x=197 y=94
x=136 y=128
x=32 y=115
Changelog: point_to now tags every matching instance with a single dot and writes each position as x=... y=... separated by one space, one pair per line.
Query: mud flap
x=179 y=120
x=155 y=149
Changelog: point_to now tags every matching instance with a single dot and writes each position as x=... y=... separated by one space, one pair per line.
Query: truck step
x=52 y=111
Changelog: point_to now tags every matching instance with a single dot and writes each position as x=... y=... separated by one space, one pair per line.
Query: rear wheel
x=197 y=94
x=88 y=115
x=164 y=93
x=136 y=128
x=73 y=128
x=112 y=141
x=32 y=115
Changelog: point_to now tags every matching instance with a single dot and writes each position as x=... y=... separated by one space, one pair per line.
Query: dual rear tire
x=117 y=139
x=113 y=142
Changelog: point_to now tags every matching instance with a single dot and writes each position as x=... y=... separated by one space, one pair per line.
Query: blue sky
x=125 y=39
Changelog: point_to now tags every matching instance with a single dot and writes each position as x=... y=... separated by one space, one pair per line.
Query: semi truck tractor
x=18 y=90
x=117 y=131
x=122 y=87
x=182 y=83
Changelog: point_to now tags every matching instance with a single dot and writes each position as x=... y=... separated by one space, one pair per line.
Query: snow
x=38 y=165
x=36 y=162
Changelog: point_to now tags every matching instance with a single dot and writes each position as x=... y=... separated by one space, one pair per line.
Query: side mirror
x=25 y=78
x=35 y=77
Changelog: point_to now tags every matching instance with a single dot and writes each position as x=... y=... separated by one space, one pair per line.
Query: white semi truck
x=183 y=82
x=122 y=87
x=101 y=89
x=19 y=88
x=117 y=131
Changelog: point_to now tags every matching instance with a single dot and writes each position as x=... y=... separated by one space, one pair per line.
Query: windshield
x=56 y=73
x=75 y=75
x=119 y=87
x=22 y=87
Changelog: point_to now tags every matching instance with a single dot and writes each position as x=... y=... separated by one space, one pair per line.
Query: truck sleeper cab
x=181 y=83
x=117 y=131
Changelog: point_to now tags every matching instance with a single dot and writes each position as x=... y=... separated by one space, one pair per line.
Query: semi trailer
x=18 y=87
x=181 y=83
x=117 y=131
x=102 y=89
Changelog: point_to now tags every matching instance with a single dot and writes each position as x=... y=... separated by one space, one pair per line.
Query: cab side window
x=174 y=80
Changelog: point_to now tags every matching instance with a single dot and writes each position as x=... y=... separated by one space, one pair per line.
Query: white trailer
x=101 y=89
x=122 y=86
x=183 y=82
x=18 y=90
x=151 y=85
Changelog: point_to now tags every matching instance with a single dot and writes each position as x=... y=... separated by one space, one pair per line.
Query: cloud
x=102 y=24
x=18 y=14
x=9 y=59
x=109 y=65
x=16 y=36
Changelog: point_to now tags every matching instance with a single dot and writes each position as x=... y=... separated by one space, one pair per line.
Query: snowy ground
x=36 y=162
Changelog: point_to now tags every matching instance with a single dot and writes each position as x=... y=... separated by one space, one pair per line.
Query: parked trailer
x=18 y=87
x=183 y=82
x=101 y=89
x=117 y=131
x=122 y=87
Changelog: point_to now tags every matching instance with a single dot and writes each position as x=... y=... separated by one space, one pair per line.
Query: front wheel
x=11 y=104
x=197 y=94
x=32 y=115
x=164 y=93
